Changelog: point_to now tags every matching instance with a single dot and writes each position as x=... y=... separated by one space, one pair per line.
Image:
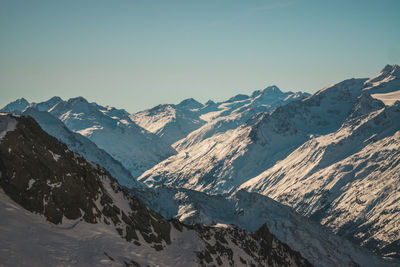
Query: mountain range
x=59 y=209
x=176 y=124
x=136 y=149
x=333 y=156
x=317 y=174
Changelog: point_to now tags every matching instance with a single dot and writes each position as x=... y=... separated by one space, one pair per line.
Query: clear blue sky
x=137 y=54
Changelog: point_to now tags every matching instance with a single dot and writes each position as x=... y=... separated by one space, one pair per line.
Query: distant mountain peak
x=78 y=99
x=16 y=106
x=209 y=103
x=49 y=104
x=190 y=103
x=391 y=70
x=80 y=104
x=388 y=73
x=272 y=88
x=21 y=100
x=268 y=91
x=238 y=97
x=55 y=98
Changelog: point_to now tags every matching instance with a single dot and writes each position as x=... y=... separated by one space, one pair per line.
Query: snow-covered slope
x=82 y=146
x=110 y=129
x=190 y=121
x=113 y=131
x=19 y=104
x=58 y=209
x=333 y=156
x=232 y=113
x=251 y=210
x=224 y=161
x=388 y=80
x=386 y=85
x=348 y=180
x=388 y=98
x=171 y=122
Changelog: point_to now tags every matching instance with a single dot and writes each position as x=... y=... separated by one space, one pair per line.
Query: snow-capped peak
x=16 y=106
x=268 y=91
x=21 y=101
x=54 y=99
x=209 y=103
x=238 y=97
x=391 y=70
x=77 y=100
x=49 y=104
x=387 y=74
x=190 y=103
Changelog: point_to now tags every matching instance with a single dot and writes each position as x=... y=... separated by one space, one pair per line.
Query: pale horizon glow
x=138 y=54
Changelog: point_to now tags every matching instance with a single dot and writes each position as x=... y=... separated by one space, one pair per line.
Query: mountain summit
x=19 y=104
x=270 y=91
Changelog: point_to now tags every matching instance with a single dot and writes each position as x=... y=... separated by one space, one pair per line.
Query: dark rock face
x=262 y=247
x=39 y=173
x=43 y=176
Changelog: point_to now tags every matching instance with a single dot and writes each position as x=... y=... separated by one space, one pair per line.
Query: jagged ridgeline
x=332 y=156
x=95 y=221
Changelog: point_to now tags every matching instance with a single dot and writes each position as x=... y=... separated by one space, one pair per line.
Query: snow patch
x=56 y=157
x=7 y=124
x=388 y=98
x=30 y=183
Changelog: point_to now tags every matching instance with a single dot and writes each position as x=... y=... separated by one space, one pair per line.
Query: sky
x=135 y=54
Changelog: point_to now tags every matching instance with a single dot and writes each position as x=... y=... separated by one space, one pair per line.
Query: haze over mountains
x=332 y=157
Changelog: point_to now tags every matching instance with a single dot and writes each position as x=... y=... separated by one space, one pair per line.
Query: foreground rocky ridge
x=250 y=211
x=82 y=145
x=88 y=210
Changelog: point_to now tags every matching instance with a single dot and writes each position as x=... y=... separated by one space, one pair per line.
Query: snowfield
x=388 y=98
